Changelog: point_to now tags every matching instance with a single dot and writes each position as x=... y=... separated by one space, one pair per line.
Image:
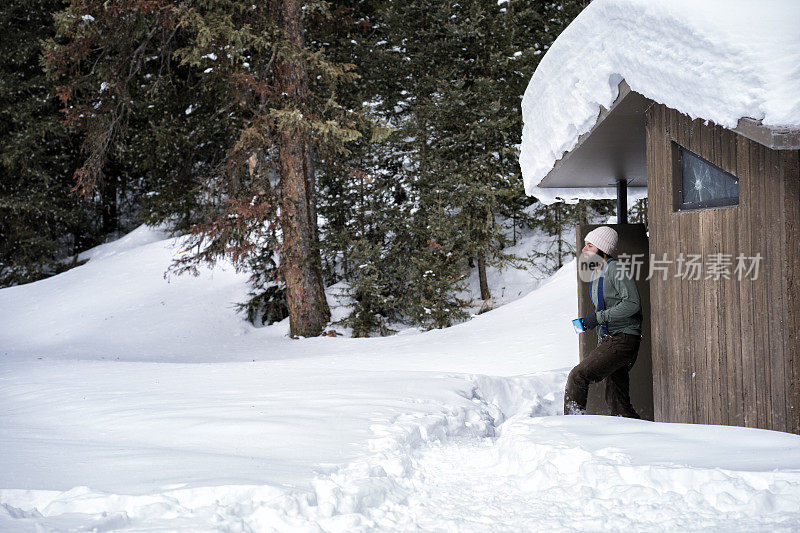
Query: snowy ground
x=134 y=403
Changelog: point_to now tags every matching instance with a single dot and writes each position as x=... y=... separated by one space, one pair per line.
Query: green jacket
x=623 y=309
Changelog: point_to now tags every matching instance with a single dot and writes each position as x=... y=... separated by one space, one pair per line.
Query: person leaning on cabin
x=618 y=319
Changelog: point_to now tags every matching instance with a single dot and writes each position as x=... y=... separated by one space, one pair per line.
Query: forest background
x=370 y=142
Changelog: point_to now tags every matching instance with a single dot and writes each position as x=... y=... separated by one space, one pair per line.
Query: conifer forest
x=373 y=142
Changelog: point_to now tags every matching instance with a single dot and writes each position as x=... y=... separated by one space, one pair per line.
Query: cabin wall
x=725 y=351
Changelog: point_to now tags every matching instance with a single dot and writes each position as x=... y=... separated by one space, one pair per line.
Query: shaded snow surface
x=133 y=403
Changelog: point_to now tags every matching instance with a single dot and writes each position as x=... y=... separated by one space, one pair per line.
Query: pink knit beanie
x=604 y=238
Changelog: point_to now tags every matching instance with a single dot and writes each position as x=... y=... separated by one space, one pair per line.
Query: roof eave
x=614 y=148
x=773 y=137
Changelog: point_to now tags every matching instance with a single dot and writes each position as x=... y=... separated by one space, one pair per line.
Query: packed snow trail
x=549 y=474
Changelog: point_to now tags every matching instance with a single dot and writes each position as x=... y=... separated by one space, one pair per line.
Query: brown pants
x=610 y=361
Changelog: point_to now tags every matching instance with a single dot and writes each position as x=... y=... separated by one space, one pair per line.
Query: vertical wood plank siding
x=725 y=351
x=791 y=241
x=654 y=148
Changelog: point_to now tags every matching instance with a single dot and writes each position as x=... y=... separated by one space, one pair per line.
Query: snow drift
x=128 y=406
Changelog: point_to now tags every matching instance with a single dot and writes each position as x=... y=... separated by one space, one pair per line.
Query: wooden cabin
x=722 y=347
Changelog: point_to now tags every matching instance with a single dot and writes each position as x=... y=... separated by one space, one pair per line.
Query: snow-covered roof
x=719 y=60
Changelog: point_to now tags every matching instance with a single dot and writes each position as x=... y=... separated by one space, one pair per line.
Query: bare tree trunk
x=300 y=258
x=108 y=203
x=485 y=294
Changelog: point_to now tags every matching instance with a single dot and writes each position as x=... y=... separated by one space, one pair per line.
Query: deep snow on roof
x=720 y=60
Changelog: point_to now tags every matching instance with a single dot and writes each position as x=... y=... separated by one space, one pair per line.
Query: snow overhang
x=614 y=148
x=717 y=60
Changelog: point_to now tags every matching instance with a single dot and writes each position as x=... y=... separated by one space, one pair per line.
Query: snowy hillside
x=131 y=402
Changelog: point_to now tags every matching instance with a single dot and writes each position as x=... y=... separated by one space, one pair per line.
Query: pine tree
x=151 y=127
x=305 y=294
x=40 y=222
x=229 y=119
x=463 y=69
x=248 y=64
x=449 y=79
x=363 y=201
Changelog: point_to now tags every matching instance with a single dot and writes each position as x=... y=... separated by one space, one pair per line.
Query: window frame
x=678 y=203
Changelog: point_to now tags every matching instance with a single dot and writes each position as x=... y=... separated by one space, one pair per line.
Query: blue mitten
x=590 y=321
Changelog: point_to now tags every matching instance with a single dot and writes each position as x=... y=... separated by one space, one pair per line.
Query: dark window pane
x=704 y=184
